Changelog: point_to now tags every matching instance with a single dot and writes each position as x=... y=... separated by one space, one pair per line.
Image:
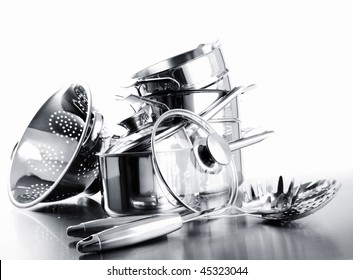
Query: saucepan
x=128 y=176
x=130 y=185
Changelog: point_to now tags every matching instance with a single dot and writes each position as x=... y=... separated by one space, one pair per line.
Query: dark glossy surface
x=327 y=234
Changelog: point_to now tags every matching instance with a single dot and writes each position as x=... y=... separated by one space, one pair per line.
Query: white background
x=299 y=53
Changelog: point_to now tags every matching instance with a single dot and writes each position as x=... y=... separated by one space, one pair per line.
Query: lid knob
x=218 y=149
x=212 y=152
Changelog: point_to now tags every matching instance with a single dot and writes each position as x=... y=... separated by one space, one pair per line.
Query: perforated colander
x=56 y=157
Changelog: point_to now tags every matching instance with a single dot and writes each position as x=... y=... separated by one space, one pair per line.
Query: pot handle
x=140 y=85
x=138 y=99
x=223 y=101
x=247 y=141
x=94 y=132
x=172 y=84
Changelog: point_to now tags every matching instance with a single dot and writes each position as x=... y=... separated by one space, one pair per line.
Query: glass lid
x=197 y=171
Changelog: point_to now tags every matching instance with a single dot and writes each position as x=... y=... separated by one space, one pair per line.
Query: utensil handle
x=131 y=233
x=91 y=227
x=244 y=142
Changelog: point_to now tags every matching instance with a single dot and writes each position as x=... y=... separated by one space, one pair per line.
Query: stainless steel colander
x=56 y=157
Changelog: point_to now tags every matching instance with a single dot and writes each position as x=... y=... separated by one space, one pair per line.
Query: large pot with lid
x=171 y=80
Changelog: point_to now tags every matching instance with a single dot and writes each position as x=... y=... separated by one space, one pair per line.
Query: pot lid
x=196 y=171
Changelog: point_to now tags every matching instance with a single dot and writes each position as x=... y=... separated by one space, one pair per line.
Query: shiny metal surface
x=282 y=205
x=141 y=101
x=128 y=178
x=130 y=185
x=91 y=227
x=194 y=69
x=219 y=104
x=218 y=101
x=327 y=234
x=129 y=181
x=136 y=122
x=210 y=168
x=201 y=68
x=133 y=183
x=55 y=158
x=196 y=101
x=218 y=149
x=130 y=234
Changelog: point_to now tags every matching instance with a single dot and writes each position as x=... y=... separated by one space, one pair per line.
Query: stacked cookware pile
x=66 y=150
x=196 y=81
x=177 y=160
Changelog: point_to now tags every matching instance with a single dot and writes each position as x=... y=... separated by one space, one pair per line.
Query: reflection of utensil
x=55 y=158
x=295 y=203
x=257 y=201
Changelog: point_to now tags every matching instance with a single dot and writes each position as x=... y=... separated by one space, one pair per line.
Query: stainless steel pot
x=129 y=181
x=131 y=186
x=201 y=68
x=195 y=69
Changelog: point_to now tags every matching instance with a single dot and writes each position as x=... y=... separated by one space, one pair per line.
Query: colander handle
x=13 y=151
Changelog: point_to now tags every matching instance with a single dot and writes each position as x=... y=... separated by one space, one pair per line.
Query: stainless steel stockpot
x=201 y=68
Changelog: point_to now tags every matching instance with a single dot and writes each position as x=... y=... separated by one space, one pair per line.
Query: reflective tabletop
x=40 y=233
